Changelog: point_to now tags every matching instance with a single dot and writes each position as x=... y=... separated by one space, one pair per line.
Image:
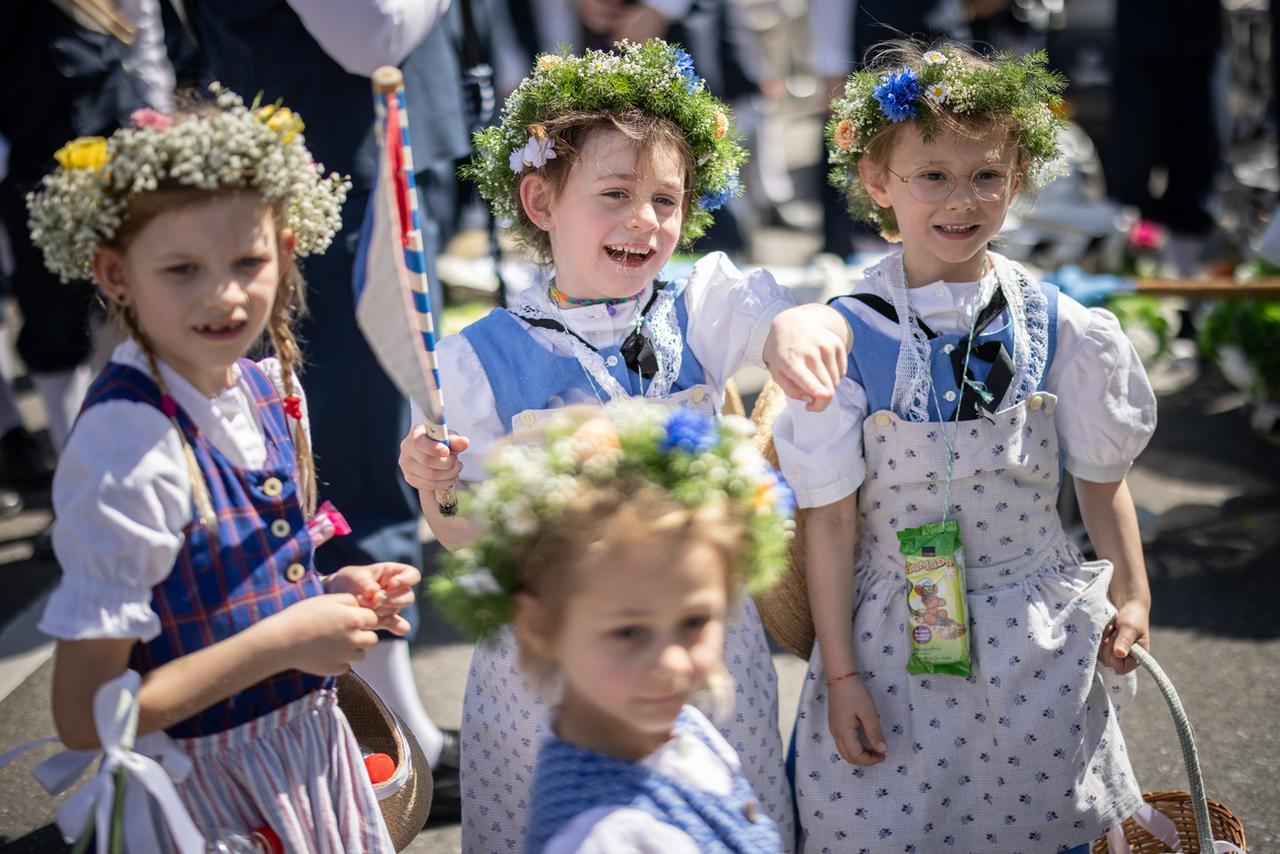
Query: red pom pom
x=268 y=840
x=293 y=407
x=380 y=766
x=168 y=406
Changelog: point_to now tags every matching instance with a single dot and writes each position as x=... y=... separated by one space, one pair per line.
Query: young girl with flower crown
x=185 y=497
x=606 y=162
x=954 y=699
x=646 y=525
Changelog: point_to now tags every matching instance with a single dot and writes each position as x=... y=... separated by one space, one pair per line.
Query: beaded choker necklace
x=608 y=302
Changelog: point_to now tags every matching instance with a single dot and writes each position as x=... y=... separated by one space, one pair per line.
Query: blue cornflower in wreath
x=714 y=201
x=897 y=94
x=684 y=67
x=689 y=431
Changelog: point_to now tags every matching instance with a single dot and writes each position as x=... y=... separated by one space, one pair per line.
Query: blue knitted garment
x=570 y=780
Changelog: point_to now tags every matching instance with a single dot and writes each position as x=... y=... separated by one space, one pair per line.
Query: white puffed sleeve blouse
x=122 y=497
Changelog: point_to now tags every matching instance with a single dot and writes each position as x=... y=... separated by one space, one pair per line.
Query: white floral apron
x=1025 y=755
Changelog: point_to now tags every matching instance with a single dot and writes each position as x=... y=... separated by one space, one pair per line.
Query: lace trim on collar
x=661 y=327
x=1028 y=312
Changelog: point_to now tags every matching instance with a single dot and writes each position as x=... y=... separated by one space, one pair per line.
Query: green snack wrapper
x=936 y=598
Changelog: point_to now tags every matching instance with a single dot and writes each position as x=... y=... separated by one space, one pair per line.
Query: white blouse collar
x=129 y=353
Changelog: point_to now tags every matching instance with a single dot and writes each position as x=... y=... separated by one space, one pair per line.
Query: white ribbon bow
x=115 y=716
x=1162 y=828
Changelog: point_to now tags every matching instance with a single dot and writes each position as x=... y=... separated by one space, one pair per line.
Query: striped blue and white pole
x=389 y=103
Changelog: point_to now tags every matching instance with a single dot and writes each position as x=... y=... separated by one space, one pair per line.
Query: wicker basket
x=405 y=801
x=732 y=400
x=784 y=610
x=1199 y=821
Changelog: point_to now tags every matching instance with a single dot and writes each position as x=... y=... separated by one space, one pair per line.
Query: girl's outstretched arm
x=807 y=352
x=1112 y=523
x=831 y=532
x=322 y=635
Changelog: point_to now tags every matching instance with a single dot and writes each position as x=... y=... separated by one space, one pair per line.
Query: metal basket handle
x=1189 y=755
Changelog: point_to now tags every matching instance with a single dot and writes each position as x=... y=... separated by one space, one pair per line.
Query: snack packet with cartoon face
x=936 y=598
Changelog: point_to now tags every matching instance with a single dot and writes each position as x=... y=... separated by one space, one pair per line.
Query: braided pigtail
x=199 y=489
x=289 y=302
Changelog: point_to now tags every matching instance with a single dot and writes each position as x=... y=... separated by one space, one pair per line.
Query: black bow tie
x=987 y=352
x=637 y=352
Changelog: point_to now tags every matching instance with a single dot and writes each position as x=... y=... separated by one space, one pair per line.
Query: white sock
x=387 y=670
x=62 y=394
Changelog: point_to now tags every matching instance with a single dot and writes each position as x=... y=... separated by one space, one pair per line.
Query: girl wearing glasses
x=969 y=387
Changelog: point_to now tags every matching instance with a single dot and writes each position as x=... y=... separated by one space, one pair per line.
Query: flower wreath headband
x=947 y=79
x=689 y=456
x=82 y=204
x=654 y=77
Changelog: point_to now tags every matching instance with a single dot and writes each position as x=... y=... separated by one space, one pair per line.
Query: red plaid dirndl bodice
x=256 y=563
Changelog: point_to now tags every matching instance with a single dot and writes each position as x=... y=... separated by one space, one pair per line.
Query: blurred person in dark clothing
x=65 y=77
x=1163 y=116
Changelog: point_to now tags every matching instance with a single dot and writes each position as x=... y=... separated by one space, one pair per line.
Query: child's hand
x=1130 y=625
x=384 y=588
x=430 y=465
x=807 y=352
x=853 y=720
x=323 y=635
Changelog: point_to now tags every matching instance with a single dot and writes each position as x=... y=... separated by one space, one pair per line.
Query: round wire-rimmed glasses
x=933 y=184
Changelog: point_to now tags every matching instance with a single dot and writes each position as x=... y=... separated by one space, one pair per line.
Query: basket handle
x=1189 y=755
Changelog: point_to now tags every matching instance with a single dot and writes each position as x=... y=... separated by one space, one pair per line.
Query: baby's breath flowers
x=924 y=88
x=691 y=457
x=82 y=204
x=655 y=77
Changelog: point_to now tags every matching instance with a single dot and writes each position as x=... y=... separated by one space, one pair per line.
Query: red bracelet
x=836 y=679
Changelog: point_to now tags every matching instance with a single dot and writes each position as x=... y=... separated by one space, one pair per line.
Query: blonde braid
x=199 y=489
x=288 y=302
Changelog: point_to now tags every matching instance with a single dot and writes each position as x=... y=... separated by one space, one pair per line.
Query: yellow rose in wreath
x=282 y=120
x=87 y=152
